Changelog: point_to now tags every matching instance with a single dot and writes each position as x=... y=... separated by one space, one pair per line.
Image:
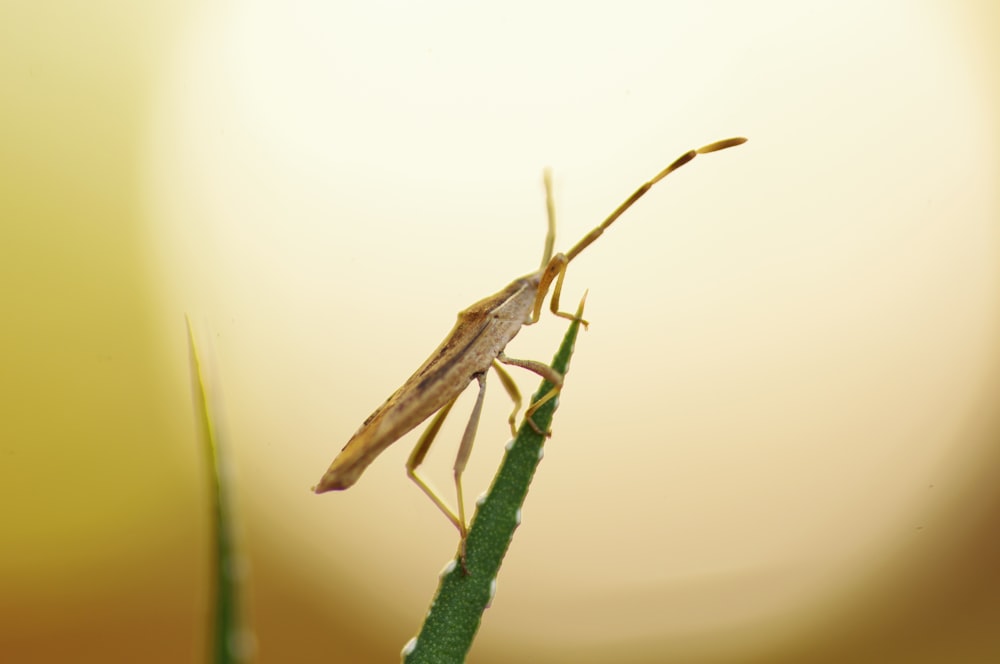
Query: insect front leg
x=555 y=270
x=557 y=291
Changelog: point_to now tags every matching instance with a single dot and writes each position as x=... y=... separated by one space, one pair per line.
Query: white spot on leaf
x=493 y=592
x=448 y=568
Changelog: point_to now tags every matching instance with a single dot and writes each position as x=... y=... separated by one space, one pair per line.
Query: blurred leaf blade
x=229 y=641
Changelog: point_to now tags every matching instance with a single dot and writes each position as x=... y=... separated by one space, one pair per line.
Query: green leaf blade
x=464 y=593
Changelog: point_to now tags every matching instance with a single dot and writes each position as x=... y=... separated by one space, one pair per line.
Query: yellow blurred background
x=778 y=442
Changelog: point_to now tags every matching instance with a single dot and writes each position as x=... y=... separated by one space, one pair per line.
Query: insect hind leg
x=465 y=449
x=417 y=458
x=461 y=459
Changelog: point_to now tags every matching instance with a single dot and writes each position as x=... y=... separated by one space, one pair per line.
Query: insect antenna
x=550 y=210
x=589 y=238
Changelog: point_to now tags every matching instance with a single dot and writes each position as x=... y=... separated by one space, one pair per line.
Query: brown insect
x=473 y=346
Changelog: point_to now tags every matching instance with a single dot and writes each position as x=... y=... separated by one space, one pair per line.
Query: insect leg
x=465 y=449
x=557 y=291
x=546 y=372
x=552 y=268
x=417 y=457
x=515 y=394
x=556 y=269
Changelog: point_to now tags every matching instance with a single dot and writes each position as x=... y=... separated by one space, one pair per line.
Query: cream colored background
x=778 y=441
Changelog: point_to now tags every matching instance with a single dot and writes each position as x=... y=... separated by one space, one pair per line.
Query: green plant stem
x=465 y=592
